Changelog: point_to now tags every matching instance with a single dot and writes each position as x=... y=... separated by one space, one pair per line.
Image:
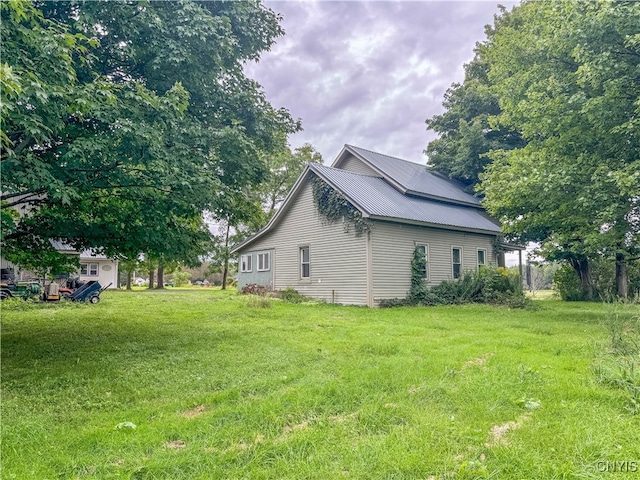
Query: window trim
x=453 y=271
x=250 y=263
x=427 y=264
x=266 y=255
x=484 y=251
x=302 y=263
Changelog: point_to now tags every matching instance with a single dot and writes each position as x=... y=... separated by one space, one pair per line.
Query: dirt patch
x=175 y=445
x=498 y=432
x=293 y=428
x=194 y=412
x=477 y=362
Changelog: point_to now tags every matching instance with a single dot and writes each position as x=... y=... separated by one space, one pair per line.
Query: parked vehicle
x=90 y=292
x=24 y=290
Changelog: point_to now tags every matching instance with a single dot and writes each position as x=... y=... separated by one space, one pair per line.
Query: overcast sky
x=369 y=73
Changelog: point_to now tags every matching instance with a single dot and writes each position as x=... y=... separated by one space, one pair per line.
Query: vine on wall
x=333 y=207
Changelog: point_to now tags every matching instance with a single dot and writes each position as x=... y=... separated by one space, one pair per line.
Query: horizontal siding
x=337 y=257
x=264 y=278
x=352 y=164
x=392 y=249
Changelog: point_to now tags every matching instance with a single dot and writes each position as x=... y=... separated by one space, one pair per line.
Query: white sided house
x=405 y=206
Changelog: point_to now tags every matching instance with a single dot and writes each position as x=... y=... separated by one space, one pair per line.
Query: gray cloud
x=369 y=73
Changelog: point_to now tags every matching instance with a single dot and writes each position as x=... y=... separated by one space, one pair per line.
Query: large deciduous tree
x=567 y=76
x=124 y=121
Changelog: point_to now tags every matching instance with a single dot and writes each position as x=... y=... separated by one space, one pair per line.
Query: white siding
x=337 y=258
x=352 y=164
x=107 y=272
x=392 y=249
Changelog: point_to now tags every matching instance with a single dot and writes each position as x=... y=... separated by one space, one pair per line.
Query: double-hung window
x=89 y=269
x=264 y=261
x=456 y=261
x=245 y=263
x=305 y=265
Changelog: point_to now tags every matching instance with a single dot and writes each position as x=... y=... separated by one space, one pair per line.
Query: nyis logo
x=618 y=466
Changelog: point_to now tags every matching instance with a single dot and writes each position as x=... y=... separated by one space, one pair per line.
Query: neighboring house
x=406 y=205
x=92 y=266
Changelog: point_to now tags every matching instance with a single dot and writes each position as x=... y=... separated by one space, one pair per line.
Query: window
x=424 y=250
x=263 y=262
x=482 y=258
x=89 y=269
x=456 y=258
x=304 y=263
x=245 y=263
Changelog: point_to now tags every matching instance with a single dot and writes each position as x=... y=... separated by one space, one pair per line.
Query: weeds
x=619 y=365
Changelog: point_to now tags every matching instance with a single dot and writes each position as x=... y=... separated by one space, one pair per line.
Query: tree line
x=130 y=126
x=546 y=126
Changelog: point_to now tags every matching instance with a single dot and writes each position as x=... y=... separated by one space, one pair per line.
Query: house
x=403 y=205
x=93 y=266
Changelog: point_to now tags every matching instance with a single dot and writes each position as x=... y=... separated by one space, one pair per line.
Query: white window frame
x=484 y=252
x=453 y=270
x=246 y=267
x=260 y=261
x=427 y=273
x=303 y=263
x=89 y=269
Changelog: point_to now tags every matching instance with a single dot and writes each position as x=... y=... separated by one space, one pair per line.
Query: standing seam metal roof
x=378 y=198
x=416 y=178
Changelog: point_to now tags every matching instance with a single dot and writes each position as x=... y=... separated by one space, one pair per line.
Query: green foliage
x=418 y=292
x=181 y=278
x=284 y=169
x=333 y=207
x=619 y=365
x=120 y=136
x=291 y=295
x=565 y=74
x=567 y=284
x=497 y=286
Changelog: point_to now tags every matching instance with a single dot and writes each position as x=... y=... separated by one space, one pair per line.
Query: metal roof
x=415 y=178
x=377 y=198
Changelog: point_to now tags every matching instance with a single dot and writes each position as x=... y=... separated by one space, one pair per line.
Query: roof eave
x=444 y=199
x=435 y=225
x=391 y=180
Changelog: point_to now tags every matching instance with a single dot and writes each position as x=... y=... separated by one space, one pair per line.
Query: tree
x=465 y=134
x=565 y=73
x=124 y=121
x=284 y=169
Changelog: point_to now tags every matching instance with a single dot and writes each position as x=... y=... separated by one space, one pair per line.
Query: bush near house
x=497 y=286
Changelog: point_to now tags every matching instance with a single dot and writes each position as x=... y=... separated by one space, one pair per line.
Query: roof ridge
x=345 y=171
x=388 y=156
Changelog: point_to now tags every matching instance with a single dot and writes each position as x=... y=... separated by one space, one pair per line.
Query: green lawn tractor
x=24 y=290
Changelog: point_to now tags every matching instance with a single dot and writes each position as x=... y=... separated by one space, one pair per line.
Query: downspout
x=369 y=270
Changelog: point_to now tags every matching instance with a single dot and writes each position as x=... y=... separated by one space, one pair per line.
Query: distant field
x=206 y=384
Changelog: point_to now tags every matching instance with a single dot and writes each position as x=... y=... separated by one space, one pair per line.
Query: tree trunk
x=129 y=279
x=160 y=281
x=622 y=276
x=225 y=268
x=581 y=266
x=151 y=273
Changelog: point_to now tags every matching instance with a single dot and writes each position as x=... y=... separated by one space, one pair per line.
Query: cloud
x=369 y=73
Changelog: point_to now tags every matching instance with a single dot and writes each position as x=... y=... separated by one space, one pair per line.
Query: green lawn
x=217 y=386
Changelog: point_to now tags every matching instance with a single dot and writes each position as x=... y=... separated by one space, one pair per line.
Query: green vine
x=333 y=207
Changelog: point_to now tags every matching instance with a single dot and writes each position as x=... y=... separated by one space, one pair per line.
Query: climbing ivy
x=333 y=207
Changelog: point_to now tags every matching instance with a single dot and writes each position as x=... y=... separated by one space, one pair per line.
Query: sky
x=369 y=73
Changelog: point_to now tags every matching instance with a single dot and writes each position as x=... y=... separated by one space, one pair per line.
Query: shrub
x=567 y=284
x=180 y=278
x=488 y=285
x=290 y=295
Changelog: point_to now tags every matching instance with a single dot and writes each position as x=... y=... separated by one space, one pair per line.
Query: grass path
x=217 y=387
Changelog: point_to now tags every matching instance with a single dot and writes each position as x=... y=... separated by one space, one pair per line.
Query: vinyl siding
x=392 y=247
x=337 y=257
x=352 y=164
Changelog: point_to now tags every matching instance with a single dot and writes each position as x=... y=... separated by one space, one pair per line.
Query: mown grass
x=222 y=386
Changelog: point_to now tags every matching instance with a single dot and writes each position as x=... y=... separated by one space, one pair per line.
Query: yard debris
x=477 y=362
x=194 y=412
x=127 y=425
